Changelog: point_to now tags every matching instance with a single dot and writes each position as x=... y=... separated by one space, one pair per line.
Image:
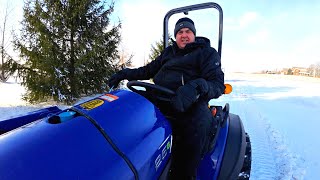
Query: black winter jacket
x=175 y=67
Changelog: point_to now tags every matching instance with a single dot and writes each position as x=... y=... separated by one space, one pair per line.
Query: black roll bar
x=186 y=10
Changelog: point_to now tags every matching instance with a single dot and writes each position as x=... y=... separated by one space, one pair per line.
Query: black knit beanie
x=184 y=23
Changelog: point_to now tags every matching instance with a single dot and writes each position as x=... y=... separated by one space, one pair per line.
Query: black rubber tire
x=246 y=167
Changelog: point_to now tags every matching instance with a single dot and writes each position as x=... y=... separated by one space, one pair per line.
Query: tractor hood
x=113 y=136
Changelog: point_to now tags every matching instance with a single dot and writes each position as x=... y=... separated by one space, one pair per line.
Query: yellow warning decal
x=92 y=104
x=109 y=97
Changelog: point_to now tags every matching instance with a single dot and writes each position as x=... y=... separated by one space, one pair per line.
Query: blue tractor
x=118 y=135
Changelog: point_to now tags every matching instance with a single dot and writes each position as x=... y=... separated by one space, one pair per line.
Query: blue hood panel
x=77 y=148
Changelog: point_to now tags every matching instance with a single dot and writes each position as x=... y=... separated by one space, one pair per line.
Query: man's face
x=183 y=37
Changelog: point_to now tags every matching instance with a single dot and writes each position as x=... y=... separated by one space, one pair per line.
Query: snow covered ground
x=280 y=113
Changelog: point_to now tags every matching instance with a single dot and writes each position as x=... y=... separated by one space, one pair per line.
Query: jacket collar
x=199 y=42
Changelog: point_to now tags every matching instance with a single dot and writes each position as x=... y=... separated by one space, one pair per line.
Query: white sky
x=258 y=34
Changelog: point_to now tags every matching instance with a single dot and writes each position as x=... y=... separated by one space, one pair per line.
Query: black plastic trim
x=234 y=151
x=165 y=173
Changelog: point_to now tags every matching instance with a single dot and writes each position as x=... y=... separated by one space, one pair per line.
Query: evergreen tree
x=5 y=72
x=68 y=48
x=157 y=49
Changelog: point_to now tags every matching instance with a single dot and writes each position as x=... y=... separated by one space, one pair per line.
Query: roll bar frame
x=186 y=10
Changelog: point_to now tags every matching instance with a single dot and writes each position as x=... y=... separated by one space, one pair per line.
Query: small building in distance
x=300 y=71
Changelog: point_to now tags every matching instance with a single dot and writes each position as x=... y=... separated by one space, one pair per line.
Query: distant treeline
x=312 y=71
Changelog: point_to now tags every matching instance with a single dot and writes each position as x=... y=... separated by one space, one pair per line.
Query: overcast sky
x=258 y=34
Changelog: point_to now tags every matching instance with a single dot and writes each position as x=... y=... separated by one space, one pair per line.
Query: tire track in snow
x=263 y=166
x=269 y=159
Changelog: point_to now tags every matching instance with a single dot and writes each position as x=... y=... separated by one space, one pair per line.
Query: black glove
x=115 y=79
x=188 y=94
x=200 y=85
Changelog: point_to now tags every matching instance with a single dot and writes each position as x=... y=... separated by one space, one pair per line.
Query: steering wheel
x=160 y=92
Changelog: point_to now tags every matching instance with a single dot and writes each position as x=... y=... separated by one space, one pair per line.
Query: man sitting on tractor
x=191 y=68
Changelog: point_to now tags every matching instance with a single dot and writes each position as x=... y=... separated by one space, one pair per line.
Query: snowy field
x=279 y=113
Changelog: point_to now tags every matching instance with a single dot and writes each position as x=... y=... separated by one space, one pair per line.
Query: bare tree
x=4 y=44
x=317 y=70
x=125 y=59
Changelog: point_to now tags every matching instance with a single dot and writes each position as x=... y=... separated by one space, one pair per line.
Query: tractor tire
x=246 y=167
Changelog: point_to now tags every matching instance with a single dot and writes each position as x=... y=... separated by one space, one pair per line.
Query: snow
x=11 y=102
x=280 y=113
